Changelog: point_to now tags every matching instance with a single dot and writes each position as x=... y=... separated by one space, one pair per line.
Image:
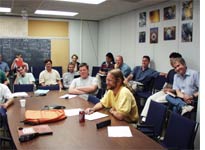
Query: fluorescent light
x=5 y=9
x=85 y=1
x=57 y=13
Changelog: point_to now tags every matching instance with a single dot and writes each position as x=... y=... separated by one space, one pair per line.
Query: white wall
x=120 y=35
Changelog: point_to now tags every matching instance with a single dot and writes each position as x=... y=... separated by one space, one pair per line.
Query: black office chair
x=36 y=70
x=49 y=87
x=180 y=132
x=23 y=87
x=59 y=69
x=7 y=135
x=95 y=70
x=154 y=121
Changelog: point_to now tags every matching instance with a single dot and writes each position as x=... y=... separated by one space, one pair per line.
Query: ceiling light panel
x=56 y=13
x=84 y=1
x=5 y=9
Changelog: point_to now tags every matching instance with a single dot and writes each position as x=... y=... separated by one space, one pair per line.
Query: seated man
x=118 y=98
x=186 y=86
x=69 y=76
x=143 y=74
x=126 y=70
x=49 y=76
x=85 y=84
x=6 y=98
x=4 y=66
x=23 y=77
x=3 y=78
x=161 y=95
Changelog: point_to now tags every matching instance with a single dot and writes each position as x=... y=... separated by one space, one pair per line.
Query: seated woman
x=75 y=62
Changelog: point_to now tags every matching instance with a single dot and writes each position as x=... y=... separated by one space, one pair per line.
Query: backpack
x=34 y=117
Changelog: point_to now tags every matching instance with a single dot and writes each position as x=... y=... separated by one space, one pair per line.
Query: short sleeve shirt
x=27 y=79
x=5 y=93
x=49 y=78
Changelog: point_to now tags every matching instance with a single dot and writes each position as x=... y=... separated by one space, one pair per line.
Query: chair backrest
x=59 y=69
x=36 y=70
x=180 y=132
x=95 y=70
x=50 y=87
x=156 y=117
x=159 y=82
x=23 y=87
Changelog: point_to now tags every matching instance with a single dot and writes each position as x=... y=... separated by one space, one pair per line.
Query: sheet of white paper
x=67 y=96
x=95 y=115
x=19 y=94
x=119 y=131
x=41 y=91
x=72 y=112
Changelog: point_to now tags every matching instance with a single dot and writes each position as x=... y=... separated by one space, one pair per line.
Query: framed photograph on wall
x=187 y=32
x=170 y=33
x=170 y=12
x=142 y=37
x=142 y=19
x=187 y=10
x=154 y=16
x=153 y=35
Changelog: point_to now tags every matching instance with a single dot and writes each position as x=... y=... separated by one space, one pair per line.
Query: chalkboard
x=33 y=51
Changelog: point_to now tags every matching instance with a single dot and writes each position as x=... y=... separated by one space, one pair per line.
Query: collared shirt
x=123 y=102
x=49 y=78
x=4 y=66
x=27 y=79
x=188 y=84
x=143 y=76
x=5 y=93
x=125 y=69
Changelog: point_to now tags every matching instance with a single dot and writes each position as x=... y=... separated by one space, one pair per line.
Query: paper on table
x=41 y=91
x=72 y=112
x=95 y=115
x=68 y=96
x=19 y=94
x=119 y=131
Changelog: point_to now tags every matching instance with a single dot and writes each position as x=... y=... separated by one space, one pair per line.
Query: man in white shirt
x=85 y=84
x=49 y=76
x=6 y=98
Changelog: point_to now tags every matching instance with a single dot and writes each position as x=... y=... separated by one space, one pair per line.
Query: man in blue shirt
x=186 y=85
x=122 y=66
x=4 y=66
x=143 y=74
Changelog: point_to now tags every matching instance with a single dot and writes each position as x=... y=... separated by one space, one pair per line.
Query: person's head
x=21 y=70
x=71 y=67
x=179 y=65
x=109 y=58
x=74 y=58
x=119 y=60
x=145 y=61
x=48 y=64
x=114 y=79
x=172 y=56
x=84 y=70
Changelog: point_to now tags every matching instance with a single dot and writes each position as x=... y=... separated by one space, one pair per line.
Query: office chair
x=155 y=85
x=154 y=121
x=23 y=87
x=95 y=70
x=59 y=69
x=36 y=70
x=180 y=132
x=7 y=135
x=93 y=99
x=49 y=87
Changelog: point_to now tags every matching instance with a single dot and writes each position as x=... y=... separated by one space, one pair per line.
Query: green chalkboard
x=33 y=51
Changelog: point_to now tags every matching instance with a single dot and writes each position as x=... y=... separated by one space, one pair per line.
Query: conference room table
x=69 y=133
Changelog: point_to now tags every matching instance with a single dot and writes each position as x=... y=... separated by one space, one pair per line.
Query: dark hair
x=110 y=55
x=147 y=57
x=84 y=65
x=175 y=55
x=117 y=73
x=47 y=60
x=74 y=55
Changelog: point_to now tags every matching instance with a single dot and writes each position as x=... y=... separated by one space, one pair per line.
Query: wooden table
x=69 y=133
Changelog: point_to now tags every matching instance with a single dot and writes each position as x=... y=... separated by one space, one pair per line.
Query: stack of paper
x=41 y=92
x=19 y=94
